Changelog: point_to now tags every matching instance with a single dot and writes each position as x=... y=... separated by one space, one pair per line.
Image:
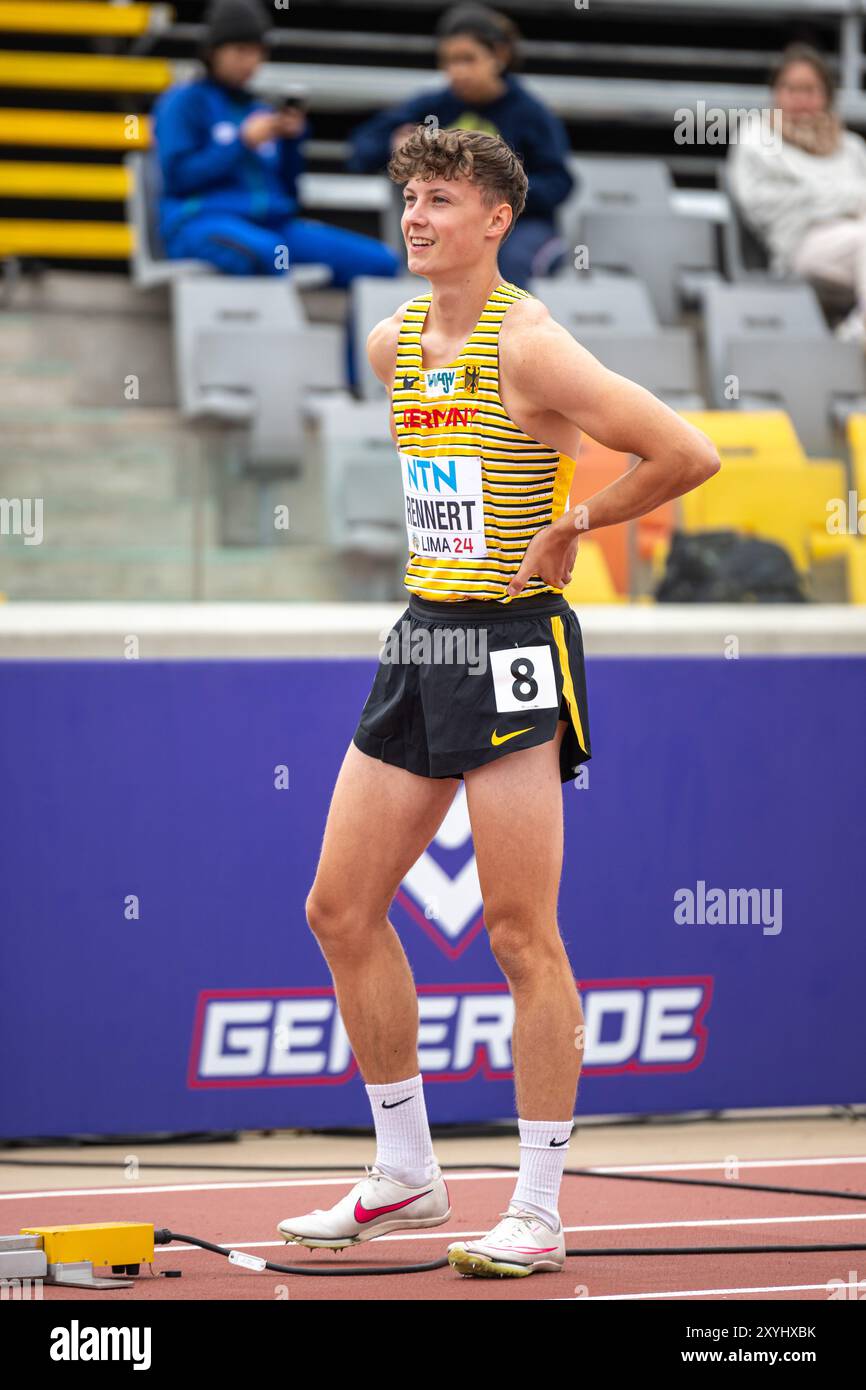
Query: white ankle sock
x=404 y=1149
x=543 y=1147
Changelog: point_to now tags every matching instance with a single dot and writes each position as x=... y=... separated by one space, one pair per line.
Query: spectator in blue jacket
x=230 y=164
x=477 y=48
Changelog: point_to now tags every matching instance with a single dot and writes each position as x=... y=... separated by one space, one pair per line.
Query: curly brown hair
x=485 y=160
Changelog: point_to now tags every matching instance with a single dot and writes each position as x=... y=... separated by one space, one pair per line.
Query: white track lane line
x=480 y=1176
x=694 y=1293
x=732 y=1161
x=223 y=1186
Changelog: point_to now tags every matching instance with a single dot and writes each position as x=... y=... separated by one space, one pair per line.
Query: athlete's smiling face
x=447 y=227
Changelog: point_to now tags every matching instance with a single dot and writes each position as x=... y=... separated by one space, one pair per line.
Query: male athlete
x=489 y=396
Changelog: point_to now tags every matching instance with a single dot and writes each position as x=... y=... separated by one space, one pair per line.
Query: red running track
x=597 y=1213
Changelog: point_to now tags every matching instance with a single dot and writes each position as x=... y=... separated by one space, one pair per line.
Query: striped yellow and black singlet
x=454 y=417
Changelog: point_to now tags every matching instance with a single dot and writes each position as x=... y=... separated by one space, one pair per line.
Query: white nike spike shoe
x=377 y=1204
x=520 y=1244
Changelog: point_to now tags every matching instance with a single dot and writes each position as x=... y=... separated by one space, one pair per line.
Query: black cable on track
x=164 y=1236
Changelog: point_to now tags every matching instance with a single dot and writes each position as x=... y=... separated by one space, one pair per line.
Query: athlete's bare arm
x=382 y=352
x=556 y=386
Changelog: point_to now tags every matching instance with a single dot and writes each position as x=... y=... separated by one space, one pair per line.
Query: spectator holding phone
x=230 y=165
x=477 y=50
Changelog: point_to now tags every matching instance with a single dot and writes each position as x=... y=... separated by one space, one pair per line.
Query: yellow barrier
x=74 y=17
x=83 y=72
x=591 y=581
x=94 y=181
x=86 y=240
x=749 y=436
x=95 y=130
x=779 y=503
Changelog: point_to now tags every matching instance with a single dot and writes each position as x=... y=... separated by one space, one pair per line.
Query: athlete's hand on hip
x=550 y=554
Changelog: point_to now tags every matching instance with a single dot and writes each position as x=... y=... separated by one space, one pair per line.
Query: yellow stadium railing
x=85 y=130
x=85 y=72
x=79 y=240
x=98 y=182
x=74 y=17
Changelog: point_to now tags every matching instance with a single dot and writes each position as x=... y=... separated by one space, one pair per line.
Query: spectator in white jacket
x=804 y=192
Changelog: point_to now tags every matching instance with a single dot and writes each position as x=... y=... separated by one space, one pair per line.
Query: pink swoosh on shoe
x=364 y=1214
x=521 y=1249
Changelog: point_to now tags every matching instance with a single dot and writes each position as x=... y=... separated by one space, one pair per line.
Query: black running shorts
x=461 y=684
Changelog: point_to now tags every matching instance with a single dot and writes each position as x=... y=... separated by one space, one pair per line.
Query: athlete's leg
x=515 y=809
x=380 y=821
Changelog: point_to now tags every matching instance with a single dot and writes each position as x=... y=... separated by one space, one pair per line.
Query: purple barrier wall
x=208 y=1006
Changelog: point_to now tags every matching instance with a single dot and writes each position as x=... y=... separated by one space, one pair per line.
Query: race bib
x=444 y=504
x=523 y=678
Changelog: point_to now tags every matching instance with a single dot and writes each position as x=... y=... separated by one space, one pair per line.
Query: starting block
x=68 y=1254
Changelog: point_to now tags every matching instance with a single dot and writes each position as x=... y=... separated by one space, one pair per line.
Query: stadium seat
x=785 y=503
x=250 y=335
x=352 y=452
x=596 y=468
x=149 y=263
x=745 y=256
x=272 y=369
x=856 y=554
x=612 y=316
x=669 y=252
x=611 y=184
x=612 y=305
x=768 y=441
x=591 y=581
x=856 y=430
x=753 y=436
x=774 y=344
x=856 y=573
